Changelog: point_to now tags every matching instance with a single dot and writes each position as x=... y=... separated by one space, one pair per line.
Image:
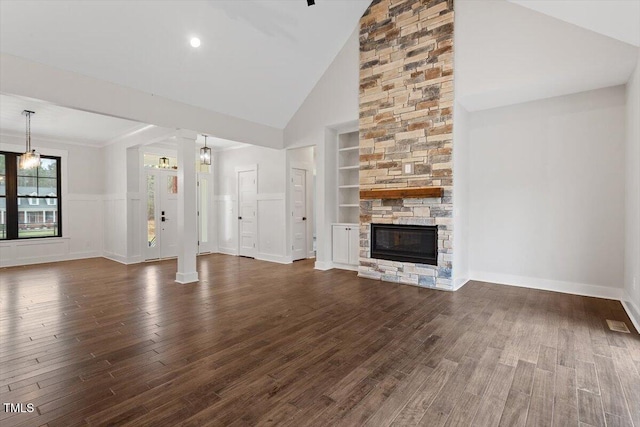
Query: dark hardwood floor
x=255 y=343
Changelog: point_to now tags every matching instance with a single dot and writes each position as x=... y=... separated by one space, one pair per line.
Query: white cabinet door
x=346 y=244
x=354 y=245
x=340 y=244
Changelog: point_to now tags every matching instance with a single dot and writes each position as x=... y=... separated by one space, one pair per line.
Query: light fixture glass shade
x=205 y=155
x=30 y=160
x=164 y=163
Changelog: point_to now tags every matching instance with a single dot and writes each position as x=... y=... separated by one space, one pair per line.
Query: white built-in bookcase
x=348 y=178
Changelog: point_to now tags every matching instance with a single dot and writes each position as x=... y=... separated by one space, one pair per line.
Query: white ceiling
x=258 y=60
x=53 y=122
x=60 y=123
x=618 y=19
x=507 y=54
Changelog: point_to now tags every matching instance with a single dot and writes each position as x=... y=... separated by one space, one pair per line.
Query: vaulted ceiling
x=258 y=59
x=508 y=54
x=618 y=19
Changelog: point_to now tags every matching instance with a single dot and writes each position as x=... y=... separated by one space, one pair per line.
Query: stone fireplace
x=406 y=120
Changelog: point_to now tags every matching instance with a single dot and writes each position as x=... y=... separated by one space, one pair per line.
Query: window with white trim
x=29 y=198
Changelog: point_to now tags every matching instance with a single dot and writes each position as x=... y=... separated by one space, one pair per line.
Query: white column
x=187 y=207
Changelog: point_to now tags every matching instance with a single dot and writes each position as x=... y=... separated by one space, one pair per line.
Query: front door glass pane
x=172 y=184
x=151 y=211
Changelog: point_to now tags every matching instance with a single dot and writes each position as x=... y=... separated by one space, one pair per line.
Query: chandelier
x=31 y=158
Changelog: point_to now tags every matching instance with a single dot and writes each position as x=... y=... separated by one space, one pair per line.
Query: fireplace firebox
x=408 y=243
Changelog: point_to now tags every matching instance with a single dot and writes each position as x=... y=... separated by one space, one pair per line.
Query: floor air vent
x=618 y=326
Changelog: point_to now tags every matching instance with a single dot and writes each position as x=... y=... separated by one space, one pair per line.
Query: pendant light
x=205 y=153
x=164 y=163
x=31 y=158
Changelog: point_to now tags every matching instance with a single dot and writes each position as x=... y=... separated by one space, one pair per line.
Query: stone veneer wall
x=406 y=111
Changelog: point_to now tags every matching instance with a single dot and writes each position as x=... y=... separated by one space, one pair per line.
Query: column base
x=183 y=278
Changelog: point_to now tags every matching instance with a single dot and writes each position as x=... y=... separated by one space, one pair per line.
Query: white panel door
x=168 y=215
x=299 y=213
x=247 y=192
x=161 y=212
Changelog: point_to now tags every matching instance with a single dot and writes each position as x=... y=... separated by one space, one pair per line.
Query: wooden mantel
x=402 y=193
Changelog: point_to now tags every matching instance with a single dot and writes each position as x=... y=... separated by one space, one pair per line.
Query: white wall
x=82 y=184
x=270 y=205
x=632 y=197
x=334 y=99
x=461 y=213
x=332 y=103
x=547 y=193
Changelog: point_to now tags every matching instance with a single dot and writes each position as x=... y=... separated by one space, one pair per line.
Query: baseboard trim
x=323 y=265
x=121 y=259
x=346 y=266
x=280 y=259
x=228 y=251
x=84 y=255
x=548 y=285
x=52 y=258
x=632 y=311
x=459 y=282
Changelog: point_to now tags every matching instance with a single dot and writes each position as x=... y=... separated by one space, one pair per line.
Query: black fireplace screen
x=409 y=243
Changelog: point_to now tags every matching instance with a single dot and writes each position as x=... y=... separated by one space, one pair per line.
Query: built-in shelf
x=349 y=148
x=348 y=164
x=402 y=193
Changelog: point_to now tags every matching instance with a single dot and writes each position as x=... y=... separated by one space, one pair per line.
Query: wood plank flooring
x=93 y=342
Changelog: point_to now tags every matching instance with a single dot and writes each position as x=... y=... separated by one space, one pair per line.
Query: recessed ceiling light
x=195 y=42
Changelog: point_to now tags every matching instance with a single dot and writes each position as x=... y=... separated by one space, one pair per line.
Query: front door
x=168 y=215
x=299 y=213
x=162 y=210
x=247 y=194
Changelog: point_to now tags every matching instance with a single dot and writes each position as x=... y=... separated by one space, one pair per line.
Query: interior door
x=247 y=192
x=299 y=213
x=168 y=215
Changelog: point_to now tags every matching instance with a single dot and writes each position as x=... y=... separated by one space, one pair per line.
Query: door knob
x=239 y=217
x=304 y=218
x=163 y=219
